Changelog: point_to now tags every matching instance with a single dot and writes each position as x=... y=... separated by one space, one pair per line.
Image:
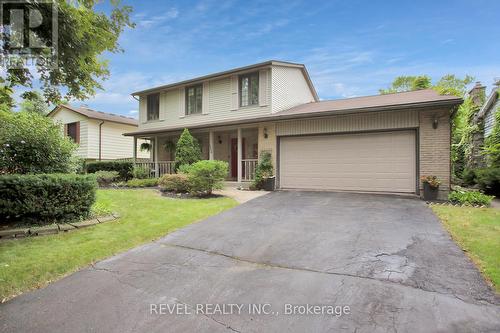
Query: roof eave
x=223 y=73
x=278 y=117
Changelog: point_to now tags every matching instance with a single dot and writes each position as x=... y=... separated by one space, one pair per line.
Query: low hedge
x=470 y=198
x=124 y=168
x=45 y=198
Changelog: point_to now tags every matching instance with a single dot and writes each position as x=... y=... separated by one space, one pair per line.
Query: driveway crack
x=310 y=270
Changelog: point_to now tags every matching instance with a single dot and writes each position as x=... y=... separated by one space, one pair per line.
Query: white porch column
x=211 y=145
x=156 y=145
x=135 y=149
x=240 y=155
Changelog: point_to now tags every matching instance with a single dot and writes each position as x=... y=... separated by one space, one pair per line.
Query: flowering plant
x=433 y=181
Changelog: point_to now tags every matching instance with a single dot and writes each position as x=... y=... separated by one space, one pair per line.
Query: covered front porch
x=237 y=146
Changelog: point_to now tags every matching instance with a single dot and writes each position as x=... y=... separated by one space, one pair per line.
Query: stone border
x=54 y=228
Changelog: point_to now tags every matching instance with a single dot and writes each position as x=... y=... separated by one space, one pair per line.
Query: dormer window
x=153 y=108
x=194 y=99
x=249 y=89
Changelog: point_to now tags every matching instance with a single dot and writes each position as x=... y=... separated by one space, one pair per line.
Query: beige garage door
x=383 y=161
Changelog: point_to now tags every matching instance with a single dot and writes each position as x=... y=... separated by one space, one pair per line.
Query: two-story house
x=98 y=135
x=376 y=143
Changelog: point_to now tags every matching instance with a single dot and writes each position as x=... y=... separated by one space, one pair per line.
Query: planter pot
x=430 y=193
x=268 y=184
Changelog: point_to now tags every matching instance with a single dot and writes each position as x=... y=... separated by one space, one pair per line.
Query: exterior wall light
x=435 y=122
x=265 y=133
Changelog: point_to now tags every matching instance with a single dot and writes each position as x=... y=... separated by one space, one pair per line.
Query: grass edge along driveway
x=477 y=232
x=145 y=215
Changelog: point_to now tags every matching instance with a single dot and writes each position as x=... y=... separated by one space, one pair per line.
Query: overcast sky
x=351 y=48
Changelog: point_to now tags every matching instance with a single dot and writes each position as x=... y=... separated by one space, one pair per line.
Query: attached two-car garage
x=375 y=161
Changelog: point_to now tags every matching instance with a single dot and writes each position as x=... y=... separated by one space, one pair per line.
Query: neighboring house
x=485 y=118
x=489 y=109
x=377 y=143
x=99 y=135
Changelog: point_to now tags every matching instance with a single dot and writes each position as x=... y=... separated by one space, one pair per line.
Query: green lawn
x=477 y=231
x=145 y=215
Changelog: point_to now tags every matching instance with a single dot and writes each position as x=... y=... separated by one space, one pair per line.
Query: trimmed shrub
x=45 y=198
x=147 y=182
x=263 y=170
x=105 y=178
x=32 y=143
x=178 y=183
x=124 y=168
x=187 y=150
x=488 y=180
x=140 y=172
x=206 y=176
x=470 y=198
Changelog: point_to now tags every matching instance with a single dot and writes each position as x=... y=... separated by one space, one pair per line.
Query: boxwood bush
x=45 y=198
x=178 y=183
x=124 y=168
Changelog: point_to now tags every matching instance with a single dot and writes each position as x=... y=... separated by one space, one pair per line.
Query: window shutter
x=182 y=102
x=204 y=103
x=143 y=109
x=78 y=132
x=263 y=98
x=234 y=92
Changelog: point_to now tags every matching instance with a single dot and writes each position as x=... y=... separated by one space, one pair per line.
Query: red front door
x=234 y=156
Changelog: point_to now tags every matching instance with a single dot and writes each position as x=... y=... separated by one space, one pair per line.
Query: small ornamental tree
x=32 y=143
x=187 y=150
x=264 y=169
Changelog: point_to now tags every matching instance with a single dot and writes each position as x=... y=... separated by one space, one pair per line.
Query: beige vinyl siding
x=489 y=118
x=114 y=145
x=289 y=88
x=219 y=106
x=350 y=123
x=64 y=116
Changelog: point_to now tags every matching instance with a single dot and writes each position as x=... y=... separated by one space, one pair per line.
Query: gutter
x=279 y=117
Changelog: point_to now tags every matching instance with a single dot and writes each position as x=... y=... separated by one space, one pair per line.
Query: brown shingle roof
x=420 y=97
x=99 y=115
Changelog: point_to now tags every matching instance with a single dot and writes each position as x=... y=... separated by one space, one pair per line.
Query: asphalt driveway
x=371 y=263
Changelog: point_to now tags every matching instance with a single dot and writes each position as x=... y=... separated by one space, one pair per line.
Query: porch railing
x=163 y=167
x=249 y=166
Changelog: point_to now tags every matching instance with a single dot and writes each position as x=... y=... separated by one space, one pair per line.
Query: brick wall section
x=434 y=148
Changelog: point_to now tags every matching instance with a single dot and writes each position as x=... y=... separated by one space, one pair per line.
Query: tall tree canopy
x=33 y=102
x=407 y=83
x=84 y=34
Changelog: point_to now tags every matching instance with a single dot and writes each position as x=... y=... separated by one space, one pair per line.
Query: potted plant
x=145 y=146
x=264 y=178
x=431 y=187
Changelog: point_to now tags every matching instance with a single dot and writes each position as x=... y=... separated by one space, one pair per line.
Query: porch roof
x=396 y=101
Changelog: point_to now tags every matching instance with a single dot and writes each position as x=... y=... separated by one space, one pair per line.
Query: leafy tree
x=32 y=143
x=264 y=169
x=84 y=34
x=34 y=102
x=452 y=85
x=408 y=83
x=187 y=150
x=6 y=100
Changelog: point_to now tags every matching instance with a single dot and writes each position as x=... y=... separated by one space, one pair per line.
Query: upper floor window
x=249 y=89
x=194 y=98
x=153 y=108
x=73 y=131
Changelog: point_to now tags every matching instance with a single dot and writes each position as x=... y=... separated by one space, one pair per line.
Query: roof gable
x=92 y=114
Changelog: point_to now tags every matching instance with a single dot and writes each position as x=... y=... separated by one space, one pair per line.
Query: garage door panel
x=363 y=162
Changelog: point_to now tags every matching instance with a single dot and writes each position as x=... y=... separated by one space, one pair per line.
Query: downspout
x=100 y=138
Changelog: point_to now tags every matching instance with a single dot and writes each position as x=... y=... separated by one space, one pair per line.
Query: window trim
x=240 y=79
x=148 y=118
x=186 y=99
